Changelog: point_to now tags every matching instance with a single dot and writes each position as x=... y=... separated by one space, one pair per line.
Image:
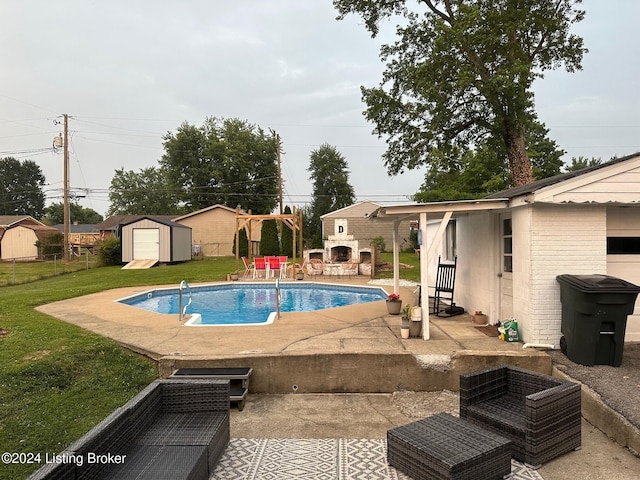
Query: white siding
x=165 y=239
x=19 y=242
x=476 y=275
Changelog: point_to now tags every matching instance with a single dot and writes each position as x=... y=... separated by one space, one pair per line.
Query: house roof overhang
x=434 y=210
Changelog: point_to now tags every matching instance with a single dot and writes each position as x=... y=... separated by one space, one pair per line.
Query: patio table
x=447 y=447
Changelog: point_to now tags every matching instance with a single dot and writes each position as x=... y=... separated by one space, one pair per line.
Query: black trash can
x=594 y=317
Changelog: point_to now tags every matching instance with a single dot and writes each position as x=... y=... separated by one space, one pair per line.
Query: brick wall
x=563 y=239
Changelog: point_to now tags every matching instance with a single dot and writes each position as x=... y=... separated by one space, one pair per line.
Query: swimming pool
x=252 y=303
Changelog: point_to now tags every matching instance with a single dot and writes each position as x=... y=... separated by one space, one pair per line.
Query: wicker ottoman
x=446 y=447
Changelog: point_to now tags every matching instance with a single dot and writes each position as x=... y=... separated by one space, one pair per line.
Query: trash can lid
x=598 y=283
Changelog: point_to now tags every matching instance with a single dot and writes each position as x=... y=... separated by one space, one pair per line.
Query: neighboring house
x=512 y=245
x=214 y=229
x=19 y=234
x=152 y=238
x=354 y=220
x=81 y=235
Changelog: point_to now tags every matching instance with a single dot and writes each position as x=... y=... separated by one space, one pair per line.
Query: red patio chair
x=259 y=265
x=284 y=263
x=274 y=264
x=248 y=267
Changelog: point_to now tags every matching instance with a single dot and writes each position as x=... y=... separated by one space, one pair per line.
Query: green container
x=594 y=317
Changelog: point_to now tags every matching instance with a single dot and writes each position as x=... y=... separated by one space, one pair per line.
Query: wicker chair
x=539 y=413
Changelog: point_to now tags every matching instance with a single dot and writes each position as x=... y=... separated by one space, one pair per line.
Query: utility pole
x=65 y=242
x=279 y=148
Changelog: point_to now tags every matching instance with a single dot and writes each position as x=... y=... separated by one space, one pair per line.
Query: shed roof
x=162 y=221
x=114 y=221
x=9 y=220
x=547 y=182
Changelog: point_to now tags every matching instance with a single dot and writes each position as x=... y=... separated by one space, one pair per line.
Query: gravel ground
x=619 y=387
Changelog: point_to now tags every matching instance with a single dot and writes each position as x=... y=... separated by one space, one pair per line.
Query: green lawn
x=57 y=380
x=12 y=273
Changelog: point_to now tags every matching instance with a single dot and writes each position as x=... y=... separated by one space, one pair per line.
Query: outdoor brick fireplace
x=341 y=247
x=340 y=255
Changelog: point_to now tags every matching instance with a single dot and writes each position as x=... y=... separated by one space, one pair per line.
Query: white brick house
x=512 y=245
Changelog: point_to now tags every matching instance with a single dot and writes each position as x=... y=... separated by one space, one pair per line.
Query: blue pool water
x=242 y=304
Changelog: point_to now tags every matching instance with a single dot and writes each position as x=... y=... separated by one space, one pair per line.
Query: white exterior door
x=146 y=244
x=506 y=268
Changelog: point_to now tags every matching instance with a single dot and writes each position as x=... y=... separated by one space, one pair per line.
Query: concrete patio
x=333 y=373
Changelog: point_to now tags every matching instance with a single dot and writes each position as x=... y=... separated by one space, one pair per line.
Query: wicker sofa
x=173 y=429
x=539 y=413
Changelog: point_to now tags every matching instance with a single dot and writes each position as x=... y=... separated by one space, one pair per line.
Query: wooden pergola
x=291 y=220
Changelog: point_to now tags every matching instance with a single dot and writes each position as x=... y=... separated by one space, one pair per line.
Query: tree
x=462 y=71
x=146 y=192
x=269 y=243
x=21 y=188
x=225 y=161
x=582 y=162
x=286 y=236
x=331 y=187
x=459 y=175
x=54 y=214
x=243 y=244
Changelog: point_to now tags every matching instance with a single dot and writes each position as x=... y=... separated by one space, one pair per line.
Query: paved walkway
x=359 y=331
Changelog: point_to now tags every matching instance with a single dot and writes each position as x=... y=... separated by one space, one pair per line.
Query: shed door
x=506 y=269
x=146 y=244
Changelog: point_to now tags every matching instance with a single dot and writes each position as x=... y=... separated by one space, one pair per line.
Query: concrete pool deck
x=308 y=352
x=354 y=353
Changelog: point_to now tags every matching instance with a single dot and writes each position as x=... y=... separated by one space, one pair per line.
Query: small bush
x=379 y=243
x=110 y=252
x=243 y=243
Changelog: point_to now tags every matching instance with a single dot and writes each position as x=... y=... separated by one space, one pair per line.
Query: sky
x=128 y=72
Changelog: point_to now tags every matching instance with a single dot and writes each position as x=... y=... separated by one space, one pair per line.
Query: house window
x=450 y=242
x=623 y=245
x=507 y=245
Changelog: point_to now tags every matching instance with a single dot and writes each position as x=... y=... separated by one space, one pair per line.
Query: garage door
x=146 y=244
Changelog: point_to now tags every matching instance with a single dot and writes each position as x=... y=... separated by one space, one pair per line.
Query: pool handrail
x=182 y=311
x=278 y=298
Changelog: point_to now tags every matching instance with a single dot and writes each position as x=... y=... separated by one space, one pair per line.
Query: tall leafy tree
x=54 y=214
x=147 y=192
x=225 y=161
x=461 y=71
x=331 y=187
x=269 y=243
x=582 y=162
x=463 y=174
x=21 y=188
x=286 y=235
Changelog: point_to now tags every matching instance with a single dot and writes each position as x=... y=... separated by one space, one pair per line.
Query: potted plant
x=234 y=276
x=394 y=304
x=406 y=315
x=479 y=318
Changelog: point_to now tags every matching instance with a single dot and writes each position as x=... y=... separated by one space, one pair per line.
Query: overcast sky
x=129 y=71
